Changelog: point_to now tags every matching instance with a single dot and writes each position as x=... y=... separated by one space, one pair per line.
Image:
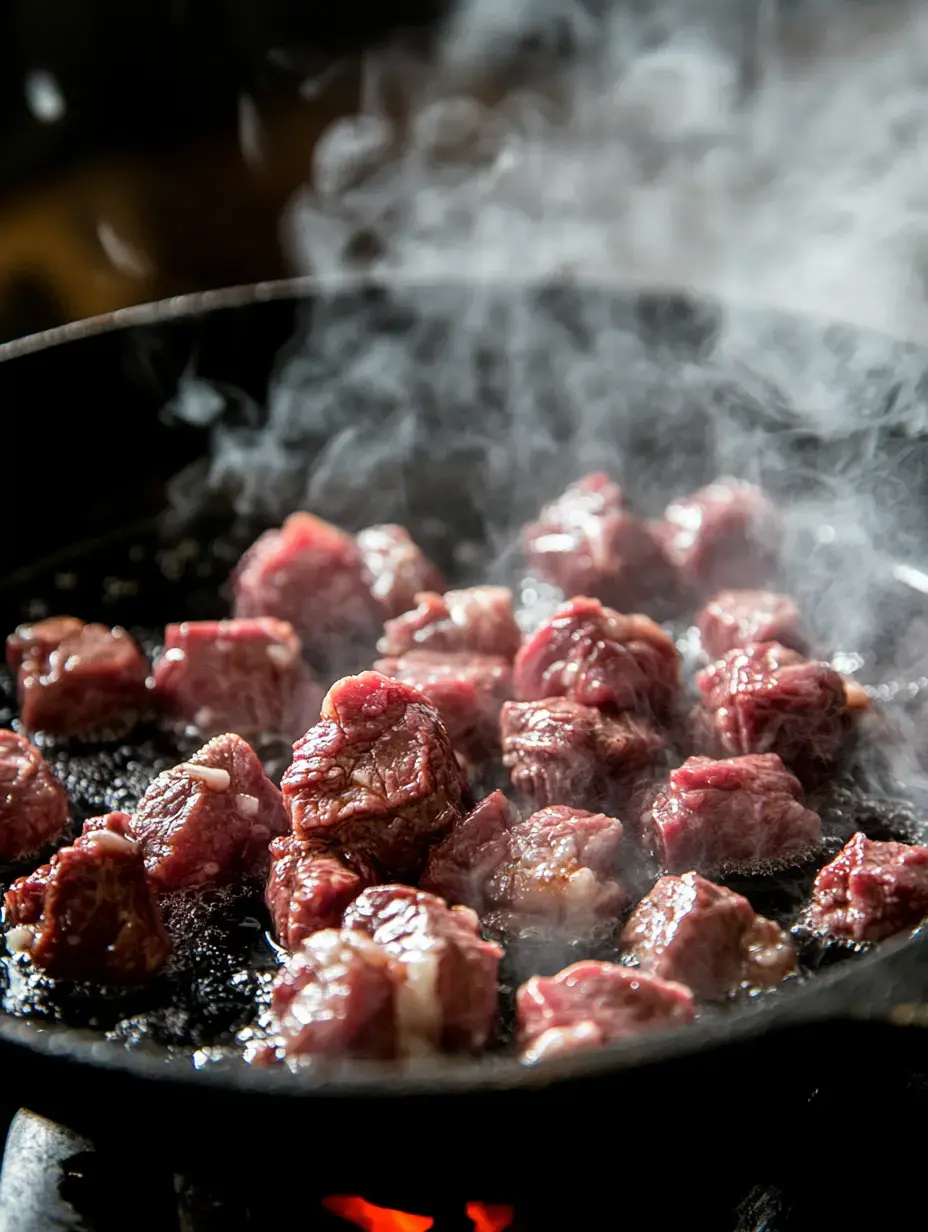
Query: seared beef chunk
x=309 y=887
x=871 y=890
x=589 y=1003
x=93 y=678
x=209 y=820
x=377 y=774
x=727 y=534
x=460 y=867
x=336 y=995
x=736 y=618
x=398 y=568
x=744 y=813
x=243 y=676
x=478 y=620
x=587 y=543
x=90 y=913
x=33 y=804
x=767 y=699
x=467 y=690
x=560 y=752
x=597 y=657
x=706 y=937
x=447 y=995
x=311 y=574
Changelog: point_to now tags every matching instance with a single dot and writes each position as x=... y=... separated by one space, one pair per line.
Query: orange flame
x=489 y=1218
x=372 y=1218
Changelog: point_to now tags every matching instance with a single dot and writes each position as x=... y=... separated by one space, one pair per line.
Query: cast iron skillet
x=88 y=456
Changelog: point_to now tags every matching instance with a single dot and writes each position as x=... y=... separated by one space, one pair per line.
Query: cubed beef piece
x=376 y=775
x=726 y=534
x=311 y=574
x=39 y=639
x=33 y=804
x=467 y=690
x=767 y=699
x=607 y=1001
x=397 y=567
x=559 y=752
x=597 y=657
x=243 y=676
x=447 y=997
x=706 y=937
x=741 y=813
x=461 y=865
x=736 y=618
x=90 y=913
x=93 y=679
x=209 y=820
x=309 y=887
x=871 y=890
x=336 y=995
x=587 y=543
x=478 y=620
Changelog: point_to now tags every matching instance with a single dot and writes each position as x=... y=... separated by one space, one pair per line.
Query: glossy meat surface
x=33 y=804
x=309 y=887
x=736 y=618
x=397 y=567
x=871 y=890
x=477 y=620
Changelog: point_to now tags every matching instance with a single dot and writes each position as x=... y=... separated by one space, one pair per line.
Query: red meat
x=33 y=804
x=871 y=890
x=461 y=865
x=209 y=820
x=478 y=620
x=736 y=618
x=398 y=568
x=39 y=639
x=309 y=887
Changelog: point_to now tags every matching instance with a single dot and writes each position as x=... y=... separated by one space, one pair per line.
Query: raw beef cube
x=398 y=568
x=871 y=890
x=94 y=678
x=559 y=752
x=33 y=804
x=209 y=820
x=467 y=690
x=447 y=996
x=243 y=676
x=309 y=887
x=39 y=639
x=744 y=813
x=376 y=775
x=736 y=618
x=706 y=937
x=590 y=1003
x=597 y=657
x=727 y=534
x=336 y=995
x=767 y=699
x=90 y=913
x=587 y=543
x=478 y=620
x=311 y=574
x=460 y=867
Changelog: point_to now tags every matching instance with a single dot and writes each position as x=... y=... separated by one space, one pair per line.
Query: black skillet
x=89 y=454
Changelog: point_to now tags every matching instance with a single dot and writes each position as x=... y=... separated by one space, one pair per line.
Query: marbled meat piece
x=310 y=885
x=478 y=620
x=595 y=656
x=467 y=690
x=312 y=575
x=377 y=774
x=736 y=618
x=398 y=568
x=93 y=679
x=590 y=1003
x=209 y=820
x=745 y=813
x=706 y=937
x=871 y=890
x=33 y=804
x=242 y=676
x=559 y=752
x=90 y=913
x=336 y=995
x=765 y=698
x=459 y=868
x=587 y=543
x=447 y=996
x=726 y=534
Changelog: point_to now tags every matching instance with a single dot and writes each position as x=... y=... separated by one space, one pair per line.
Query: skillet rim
x=830 y=995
